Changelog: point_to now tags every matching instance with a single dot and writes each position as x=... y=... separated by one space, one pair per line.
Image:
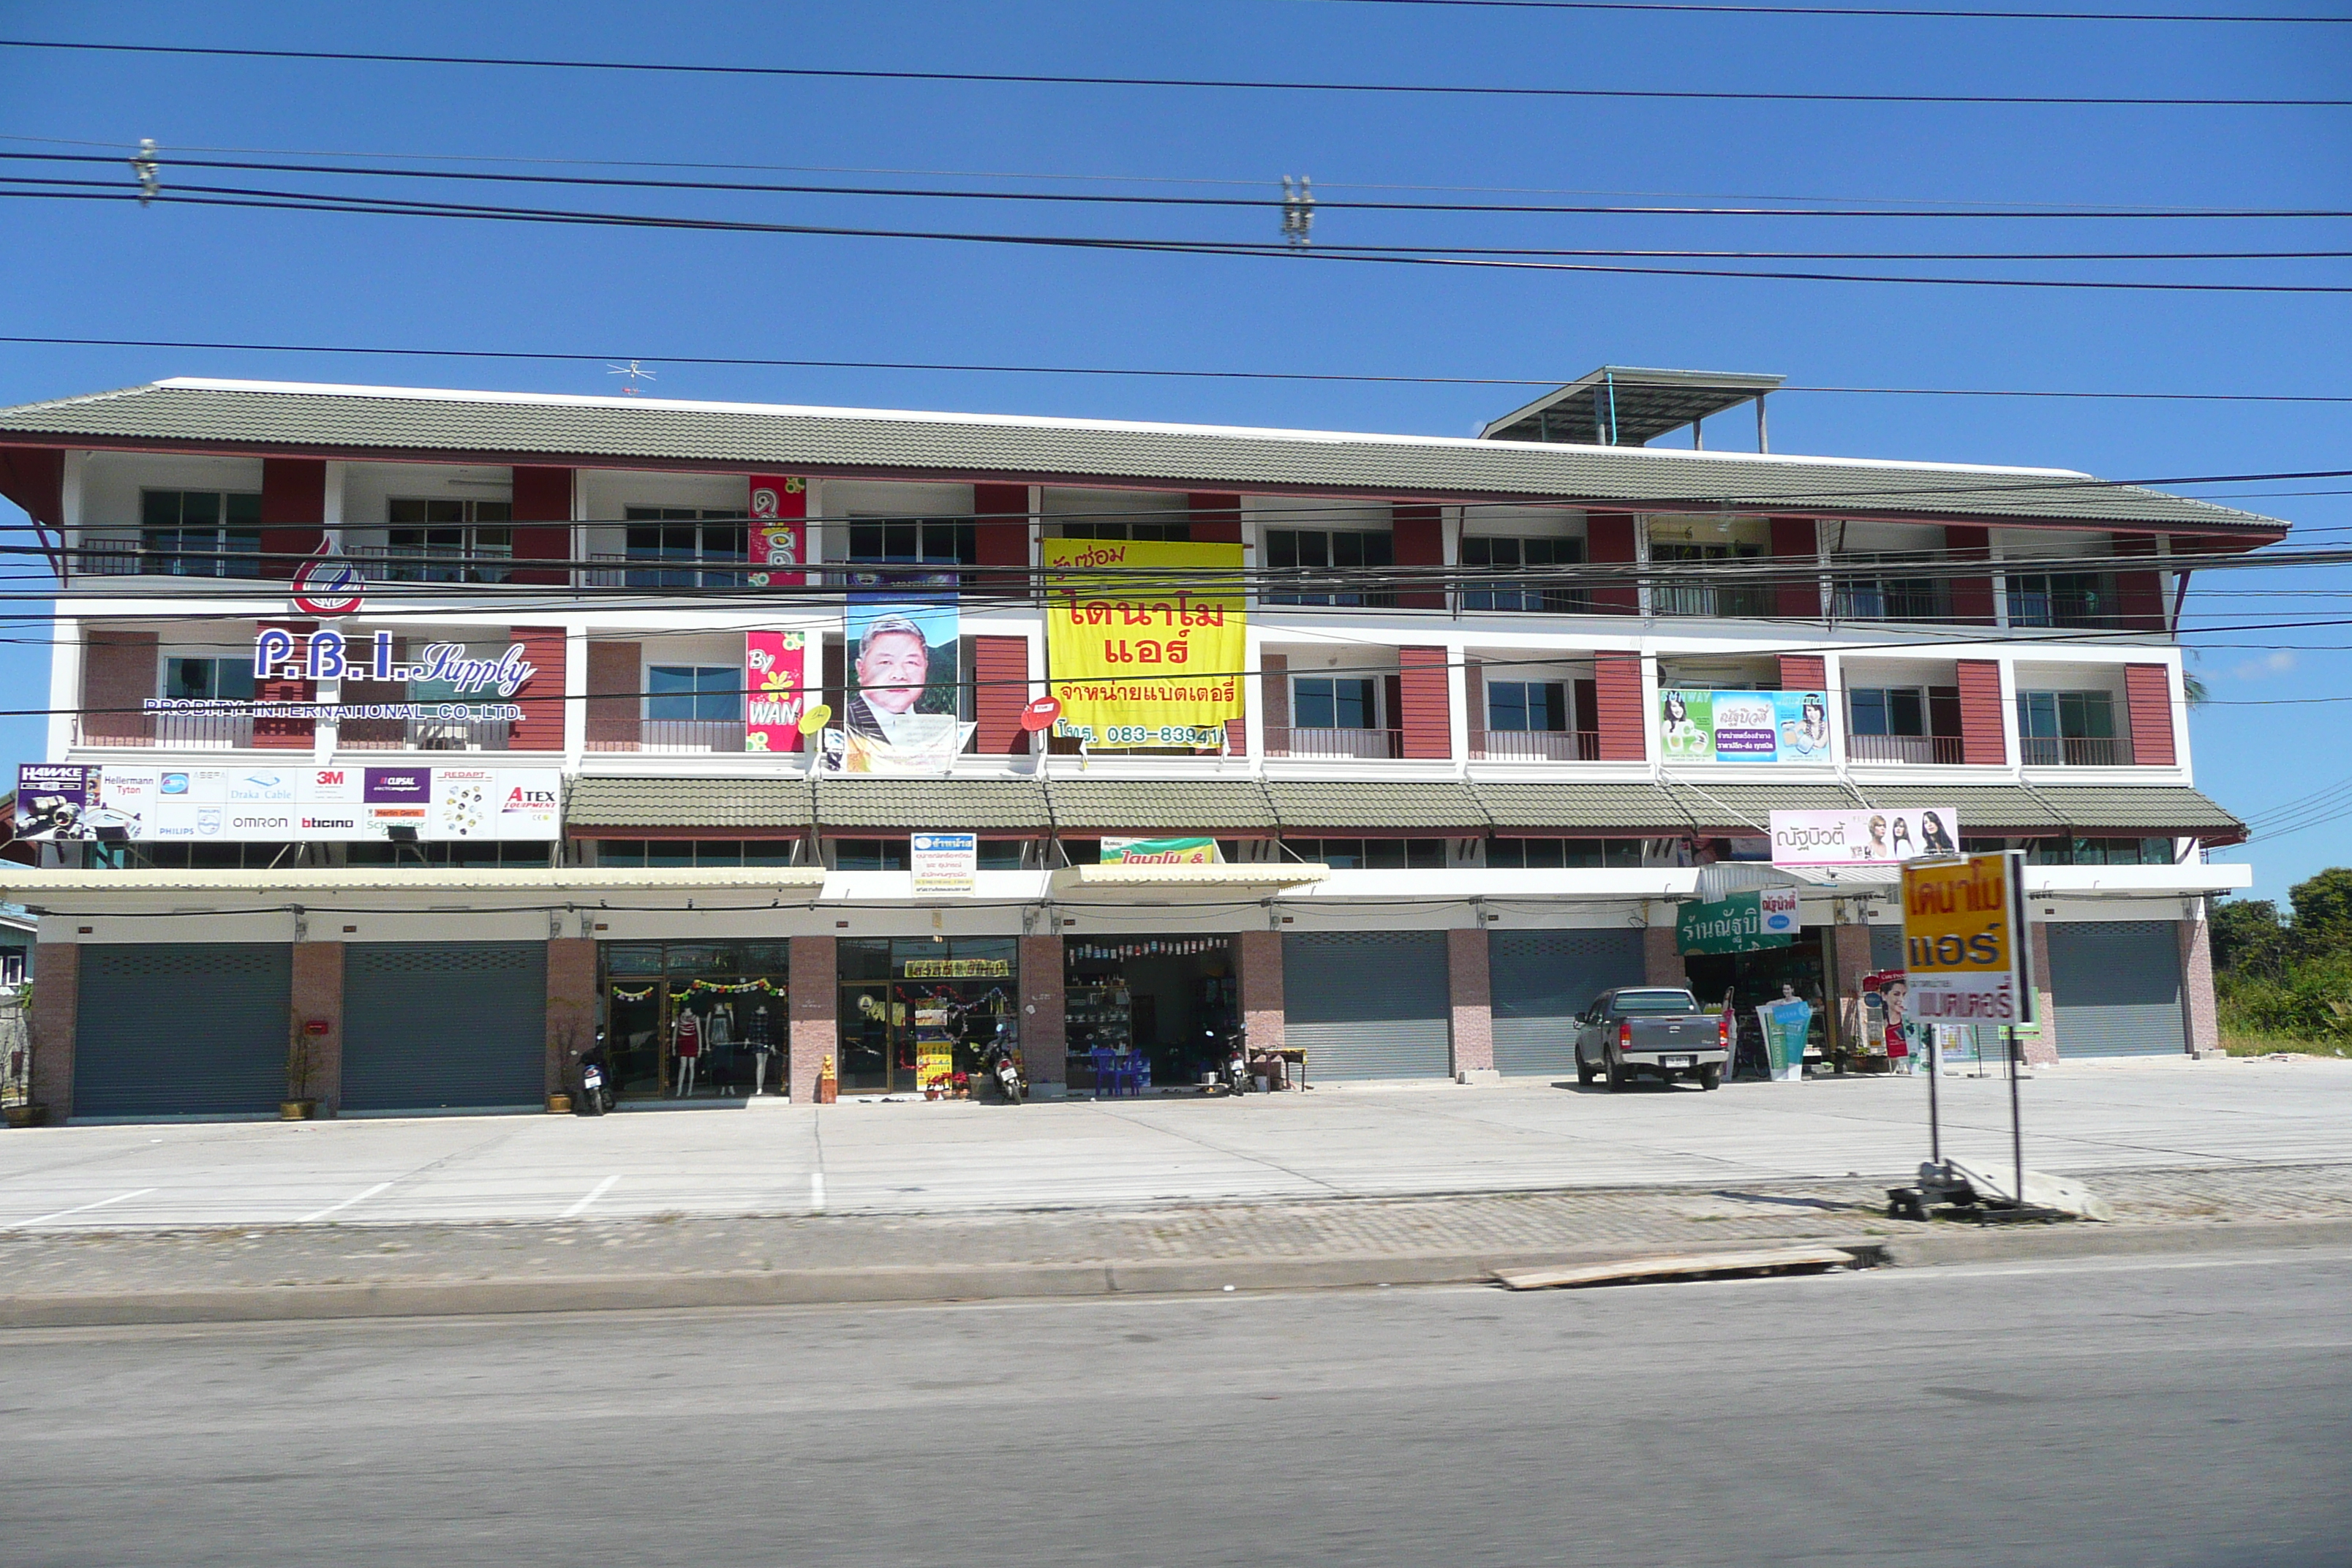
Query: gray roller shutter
x=187 y=1029
x=1366 y=1005
x=1886 y=947
x=444 y=1025
x=1542 y=980
x=2117 y=988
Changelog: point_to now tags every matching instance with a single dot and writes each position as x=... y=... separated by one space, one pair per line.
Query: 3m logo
x=333 y=776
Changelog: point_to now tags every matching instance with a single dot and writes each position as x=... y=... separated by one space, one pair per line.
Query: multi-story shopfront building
x=415 y=736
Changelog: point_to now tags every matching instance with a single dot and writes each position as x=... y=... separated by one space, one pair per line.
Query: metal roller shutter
x=1366 y=1005
x=2117 y=988
x=433 y=1025
x=188 y=1029
x=1542 y=980
x=1886 y=947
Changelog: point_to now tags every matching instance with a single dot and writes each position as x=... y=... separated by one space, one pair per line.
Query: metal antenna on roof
x=633 y=371
x=1298 y=211
x=145 y=164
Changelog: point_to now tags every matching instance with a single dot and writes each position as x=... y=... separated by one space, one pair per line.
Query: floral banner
x=775 y=678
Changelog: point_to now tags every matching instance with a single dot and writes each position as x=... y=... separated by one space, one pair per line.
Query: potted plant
x=302 y=1068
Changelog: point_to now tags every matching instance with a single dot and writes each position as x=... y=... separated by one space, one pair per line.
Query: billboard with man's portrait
x=899 y=712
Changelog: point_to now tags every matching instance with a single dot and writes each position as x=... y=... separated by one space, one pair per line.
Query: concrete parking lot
x=913 y=1158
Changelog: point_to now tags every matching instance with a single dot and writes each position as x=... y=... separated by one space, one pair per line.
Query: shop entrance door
x=1752 y=979
x=916 y=1012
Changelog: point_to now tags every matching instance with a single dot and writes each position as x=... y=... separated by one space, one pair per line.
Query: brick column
x=1620 y=715
x=57 y=1002
x=1426 y=712
x=540 y=728
x=1852 y=943
x=2042 y=1049
x=1262 y=1003
x=2204 y=1017
x=571 y=1009
x=1044 y=1036
x=1662 y=959
x=318 y=998
x=1984 y=740
x=1470 y=988
x=814 y=987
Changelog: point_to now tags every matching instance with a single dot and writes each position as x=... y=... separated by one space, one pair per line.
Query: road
x=1347 y=1142
x=2160 y=1414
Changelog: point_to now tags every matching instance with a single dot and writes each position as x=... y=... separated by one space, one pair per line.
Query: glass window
x=870 y=855
x=1317 y=557
x=444 y=539
x=1179 y=533
x=1563 y=854
x=1514 y=554
x=706 y=692
x=1331 y=702
x=1000 y=854
x=941 y=542
x=2070 y=715
x=620 y=852
x=200 y=533
x=208 y=679
x=2057 y=599
x=1540 y=705
x=679 y=538
x=1888 y=710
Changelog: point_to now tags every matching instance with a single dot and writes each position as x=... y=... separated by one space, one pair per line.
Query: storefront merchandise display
x=1786 y=1023
x=658 y=996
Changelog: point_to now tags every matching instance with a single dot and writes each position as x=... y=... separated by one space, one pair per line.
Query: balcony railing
x=2079 y=599
x=678 y=736
x=181 y=731
x=425 y=735
x=2076 y=751
x=1717 y=604
x=1938 y=749
x=425 y=563
x=1894 y=601
x=1534 y=745
x=136 y=558
x=1334 y=744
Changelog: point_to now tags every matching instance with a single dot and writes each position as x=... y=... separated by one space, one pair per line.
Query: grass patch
x=2245 y=1043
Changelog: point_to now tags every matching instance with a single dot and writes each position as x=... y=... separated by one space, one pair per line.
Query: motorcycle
x=1008 y=1078
x=1237 y=1067
x=595 y=1097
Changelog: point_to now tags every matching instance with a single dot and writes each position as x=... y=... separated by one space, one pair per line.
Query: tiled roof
x=1614 y=807
x=1438 y=805
x=1200 y=805
x=985 y=805
x=482 y=427
x=688 y=802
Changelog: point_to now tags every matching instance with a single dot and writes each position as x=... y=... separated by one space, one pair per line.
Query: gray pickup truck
x=1650 y=1031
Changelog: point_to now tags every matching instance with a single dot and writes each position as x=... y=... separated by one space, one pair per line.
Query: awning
x=25 y=885
x=595 y=802
x=1270 y=874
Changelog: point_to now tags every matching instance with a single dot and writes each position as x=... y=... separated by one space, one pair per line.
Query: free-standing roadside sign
x=945 y=862
x=1964 y=947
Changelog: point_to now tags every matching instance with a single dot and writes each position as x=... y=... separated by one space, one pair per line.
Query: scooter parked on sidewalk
x=1236 y=1060
x=595 y=1095
x=1001 y=1067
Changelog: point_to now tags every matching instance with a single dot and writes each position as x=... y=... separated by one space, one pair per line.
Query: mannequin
x=717 y=1031
x=757 y=1039
x=686 y=1045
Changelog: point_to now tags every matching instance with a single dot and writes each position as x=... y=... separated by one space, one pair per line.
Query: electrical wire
x=1045 y=79
x=1873 y=11
x=295 y=201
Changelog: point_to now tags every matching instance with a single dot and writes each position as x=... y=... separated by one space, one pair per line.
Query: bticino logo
x=316 y=824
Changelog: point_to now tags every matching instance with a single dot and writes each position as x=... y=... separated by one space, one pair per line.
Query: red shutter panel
x=2148 y=696
x=35 y=479
x=1000 y=536
x=2140 y=596
x=542 y=495
x=1427 y=714
x=1001 y=668
x=1473 y=699
x=1796 y=539
x=1983 y=733
x=1216 y=518
x=293 y=511
x=613 y=707
x=1972 y=596
x=1804 y=672
x=1608 y=538
x=1617 y=702
x=1418 y=534
x=119 y=675
x=1588 y=720
x=285 y=734
x=540 y=728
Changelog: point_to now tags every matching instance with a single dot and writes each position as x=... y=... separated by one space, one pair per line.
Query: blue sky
x=89 y=269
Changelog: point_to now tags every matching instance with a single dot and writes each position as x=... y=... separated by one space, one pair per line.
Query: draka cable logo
x=327 y=584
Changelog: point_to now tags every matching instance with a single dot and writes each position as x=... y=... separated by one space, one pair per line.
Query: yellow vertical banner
x=1145 y=640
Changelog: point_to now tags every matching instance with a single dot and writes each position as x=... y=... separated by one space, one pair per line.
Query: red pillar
x=1044 y=1036
x=1796 y=540
x=1472 y=997
x=1262 y=1012
x=293 y=512
x=1001 y=665
x=1609 y=541
x=1426 y=716
x=1803 y=672
x=1972 y=596
x=1983 y=733
x=2140 y=596
x=2147 y=700
x=571 y=1009
x=1000 y=536
x=317 y=984
x=540 y=728
x=1618 y=705
x=543 y=495
x=56 y=1005
x=813 y=984
x=1417 y=536
x=1216 y=518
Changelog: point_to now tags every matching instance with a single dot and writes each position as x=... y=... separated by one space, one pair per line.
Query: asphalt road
x=2190 y=1411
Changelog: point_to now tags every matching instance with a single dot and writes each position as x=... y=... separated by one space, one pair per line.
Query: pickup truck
x=1650 y=1031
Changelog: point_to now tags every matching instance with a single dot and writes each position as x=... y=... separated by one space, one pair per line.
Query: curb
x=1049 y=1281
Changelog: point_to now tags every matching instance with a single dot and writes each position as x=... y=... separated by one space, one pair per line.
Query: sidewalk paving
x=915 y=1158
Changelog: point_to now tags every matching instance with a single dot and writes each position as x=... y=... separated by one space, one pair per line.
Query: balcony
x=425 y=564
x=2062 y=599
x=1711 y=602
x=1894 y=599
x=1944 y=750
x=1335 y=744
x=678 y=737
x=2076 y=751
x=1535 y=746
x=425 y=735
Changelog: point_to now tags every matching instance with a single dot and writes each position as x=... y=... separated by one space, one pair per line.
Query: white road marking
x=817 y=1192
x=83 y=1208
x=338 y=1208
x=598 y=1191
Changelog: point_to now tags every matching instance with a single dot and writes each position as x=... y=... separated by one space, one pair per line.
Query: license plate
x=1677 y=1061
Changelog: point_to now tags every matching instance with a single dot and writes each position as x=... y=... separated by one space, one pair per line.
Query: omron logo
x=280 y=823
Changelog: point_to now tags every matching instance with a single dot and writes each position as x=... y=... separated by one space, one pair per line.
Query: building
x=408 y=730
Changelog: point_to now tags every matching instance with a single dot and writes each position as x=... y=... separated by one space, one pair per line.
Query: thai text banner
x=1872 y=837
x=1744 y=726
x=1145 y=640
x=1962 y=951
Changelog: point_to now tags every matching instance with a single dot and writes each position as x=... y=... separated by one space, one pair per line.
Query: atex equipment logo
x=327 y=584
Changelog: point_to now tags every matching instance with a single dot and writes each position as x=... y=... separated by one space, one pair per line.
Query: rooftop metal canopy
x=1622 y=405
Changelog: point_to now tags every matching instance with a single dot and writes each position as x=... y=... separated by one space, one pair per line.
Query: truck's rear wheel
x=1617 y=1077
x=1710 y=1078
x=1583 y=1074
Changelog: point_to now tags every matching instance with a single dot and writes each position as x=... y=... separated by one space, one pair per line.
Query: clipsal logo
x=327 y=585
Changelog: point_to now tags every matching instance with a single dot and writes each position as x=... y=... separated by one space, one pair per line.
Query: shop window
x=1331 y=702
x=870 y=855
x=208 y=679
x=1518 y=554
x=675 y=547
x=120 y=857
x=466 y=853
x=1372 y=854
x=200 y=533
x=1709 y=599
x=1523 y=705
x=1002 y=854
x=1317 y=561
x=678 y=852
x=703 y=693
x=2099 y=852
x=1175 y=532
x=1563 y=854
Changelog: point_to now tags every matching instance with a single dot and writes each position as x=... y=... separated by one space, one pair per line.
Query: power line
x=296 y=201
x=1223 y=84
x=1152 y=371
x=1878 y=12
